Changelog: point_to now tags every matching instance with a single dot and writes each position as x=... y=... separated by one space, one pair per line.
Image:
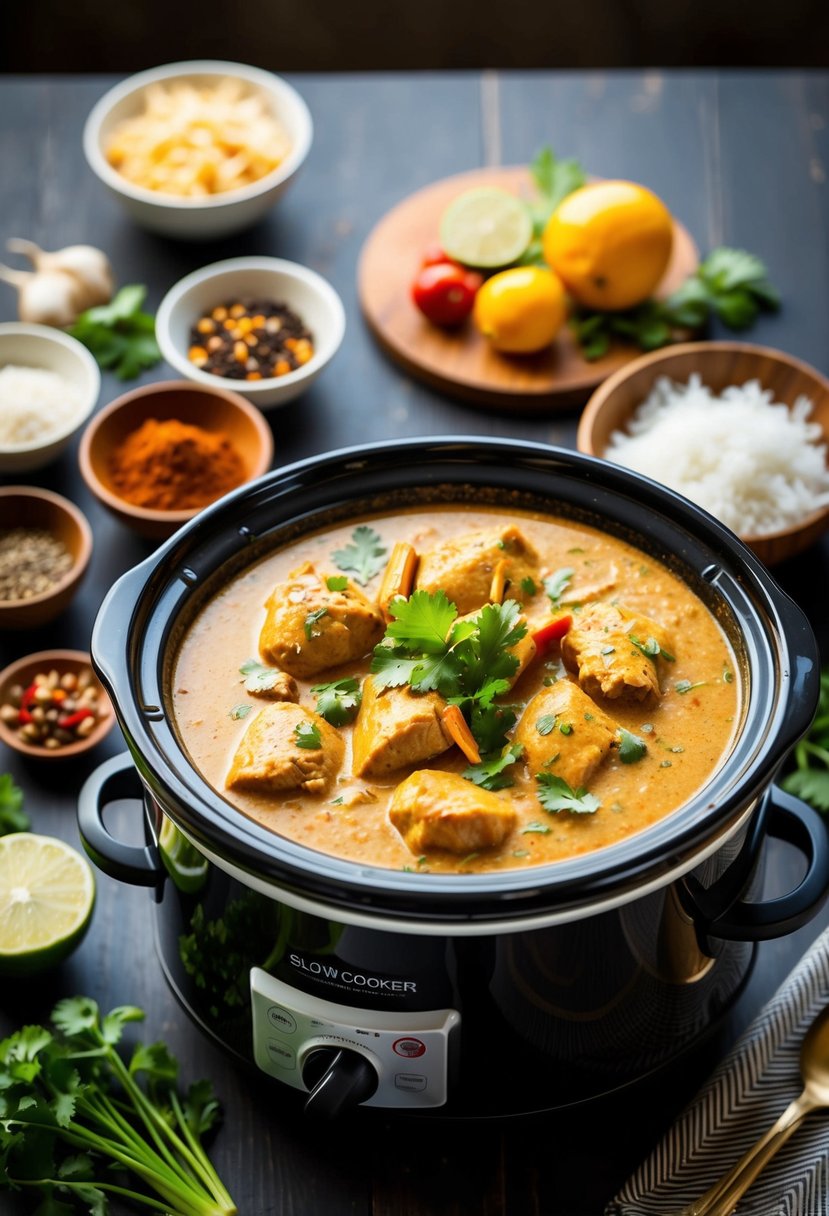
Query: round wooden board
x=461 y=362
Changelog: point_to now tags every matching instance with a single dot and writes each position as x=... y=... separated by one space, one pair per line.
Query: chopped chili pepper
x=553 y=631
x=28 y=696
x=70 y=720
x=25 y=717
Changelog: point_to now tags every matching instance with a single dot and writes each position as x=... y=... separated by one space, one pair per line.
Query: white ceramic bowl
x=312 y=298
x=219 y=214
x=51 y=350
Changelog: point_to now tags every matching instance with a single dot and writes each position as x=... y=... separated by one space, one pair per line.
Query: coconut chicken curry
x=456 y=689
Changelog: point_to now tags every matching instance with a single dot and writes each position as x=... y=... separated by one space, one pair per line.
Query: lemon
x=47 y=893
x=486 y=228
x=610 y=243
x=521 y=310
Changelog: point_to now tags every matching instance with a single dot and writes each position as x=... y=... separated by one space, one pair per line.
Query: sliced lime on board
x=47 y=893
x=486 y=228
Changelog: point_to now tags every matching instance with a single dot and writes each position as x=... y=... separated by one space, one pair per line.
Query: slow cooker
x=472 y=994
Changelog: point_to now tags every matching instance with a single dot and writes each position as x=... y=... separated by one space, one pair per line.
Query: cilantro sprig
x=78 y=1125
x=307 y=736
x=810 y=778
x=491 y=773
x=259 y=678
x=339 y=700
x=631 y=747
x=12 y=816
x=119 y=334
x=556 y=795
x=364 y=557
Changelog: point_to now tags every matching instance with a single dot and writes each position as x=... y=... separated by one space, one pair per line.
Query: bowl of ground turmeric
x=158 y=455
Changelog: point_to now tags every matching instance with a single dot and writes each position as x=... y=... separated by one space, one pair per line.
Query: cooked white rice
x=35 y=404
x=752 y=462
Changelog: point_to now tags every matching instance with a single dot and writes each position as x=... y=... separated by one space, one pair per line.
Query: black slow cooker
x=459 y=994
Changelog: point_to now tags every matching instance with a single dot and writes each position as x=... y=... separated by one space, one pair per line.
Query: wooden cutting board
x=461 y=363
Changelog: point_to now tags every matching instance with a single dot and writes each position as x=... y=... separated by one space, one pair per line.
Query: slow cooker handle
x=115 y=780
x=789 y=819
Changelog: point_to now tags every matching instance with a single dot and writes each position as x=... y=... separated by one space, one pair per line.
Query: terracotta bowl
x=212 y=407
x=719 y=364
x=27 y=507
x=23 y=671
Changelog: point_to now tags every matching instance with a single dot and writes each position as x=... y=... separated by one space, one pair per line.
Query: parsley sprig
x=78 y=1126
x=554 y=178
x=119 y=334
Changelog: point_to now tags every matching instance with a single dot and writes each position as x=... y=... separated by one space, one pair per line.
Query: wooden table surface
x=742 y=159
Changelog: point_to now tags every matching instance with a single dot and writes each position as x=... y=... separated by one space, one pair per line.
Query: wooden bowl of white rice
x=739 y=429
x=49 y=385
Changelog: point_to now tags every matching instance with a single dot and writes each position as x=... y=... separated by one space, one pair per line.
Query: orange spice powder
x=172 y=466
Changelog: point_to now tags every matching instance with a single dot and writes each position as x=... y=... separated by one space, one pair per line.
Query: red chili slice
x=553 y=631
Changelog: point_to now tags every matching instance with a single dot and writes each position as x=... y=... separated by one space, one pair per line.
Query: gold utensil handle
x=724 y=1196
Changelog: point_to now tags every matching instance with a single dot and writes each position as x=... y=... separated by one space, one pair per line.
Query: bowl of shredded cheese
x=741 y=430
x=198 y=149
x=49 y=384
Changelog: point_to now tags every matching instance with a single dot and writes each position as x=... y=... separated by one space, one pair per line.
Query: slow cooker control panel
x=410 y=1052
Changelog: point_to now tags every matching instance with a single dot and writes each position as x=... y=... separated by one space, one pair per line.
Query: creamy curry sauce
x=687 y=733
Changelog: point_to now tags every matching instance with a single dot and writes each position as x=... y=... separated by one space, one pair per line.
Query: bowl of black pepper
x=45 y=546
x=265 y=326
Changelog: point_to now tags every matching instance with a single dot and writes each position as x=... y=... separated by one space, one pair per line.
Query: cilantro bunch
x=468 y=660
x=77 y=1125
x=119 y=334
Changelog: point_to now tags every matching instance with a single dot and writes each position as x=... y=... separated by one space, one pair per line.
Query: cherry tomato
x=433 y=255
x=445 y=293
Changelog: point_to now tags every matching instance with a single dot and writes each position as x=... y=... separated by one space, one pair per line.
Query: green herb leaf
x=555 y=795
x=546 y=724
x=491 y=773
x=651 y=648
x=259 y=677
x=540 y=829
x=240 y=711
x=556 y=584
x=156 y=1061
x=528 y=585
x=112 y=1027
x=307 y=735
x=12 y=816
x=339 y=700
x=311 y=620
x=810 y=784
x=336 y=582
x=422 y=622
x=554 y=179
x=76 y=1014
x=683 y=686
x=119 y=334
x=364 y=557
x=631 y=747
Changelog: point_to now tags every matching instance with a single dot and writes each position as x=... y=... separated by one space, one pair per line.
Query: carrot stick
x=398 y=577
x=456 y=726
x=499 y=582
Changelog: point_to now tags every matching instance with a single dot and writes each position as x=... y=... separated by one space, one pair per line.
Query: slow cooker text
x=328 y=971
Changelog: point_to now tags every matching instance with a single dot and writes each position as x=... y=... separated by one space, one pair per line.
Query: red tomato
x=445 y=293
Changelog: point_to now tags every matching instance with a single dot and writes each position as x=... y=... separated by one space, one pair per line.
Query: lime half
x=47 y=893
x=486 y=227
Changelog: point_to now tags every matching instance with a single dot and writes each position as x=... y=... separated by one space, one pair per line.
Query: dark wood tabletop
x=743 y=159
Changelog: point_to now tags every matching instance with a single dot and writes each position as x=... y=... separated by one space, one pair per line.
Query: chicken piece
x=309 y=627
x=575 y=752
x=599 y=649
x=463 y=566
x=436 y=810
x=396 y=726
x=269 y=758
x=284 y=688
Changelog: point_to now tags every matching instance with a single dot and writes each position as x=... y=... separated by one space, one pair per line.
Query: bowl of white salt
x=49 y=385
x=741 y=430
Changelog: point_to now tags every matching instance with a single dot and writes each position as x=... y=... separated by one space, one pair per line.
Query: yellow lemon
x=610 y=243
x=521 y=310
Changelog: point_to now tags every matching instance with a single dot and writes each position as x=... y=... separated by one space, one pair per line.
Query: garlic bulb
x=63 y=284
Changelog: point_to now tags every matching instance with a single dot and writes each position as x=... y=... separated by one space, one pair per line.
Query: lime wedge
x=182 y=860
x=486 y=227
x=47 y=893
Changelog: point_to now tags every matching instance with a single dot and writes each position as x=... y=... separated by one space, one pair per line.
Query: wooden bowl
x=27 y=507
x=719 y=364
x=212 y=407
x=23 y=671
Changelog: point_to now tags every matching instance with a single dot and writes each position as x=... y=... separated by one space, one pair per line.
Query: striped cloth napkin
x=748 y=1092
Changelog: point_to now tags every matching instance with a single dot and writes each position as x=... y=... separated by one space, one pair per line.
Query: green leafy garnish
x=338 y=701
x=336 y=582
x=240 y=711
x=546 y=724
x=490 y=773
x=651 y=648
x=556 y=584
x=311 y=620
x=12 y=816
x=119 y=334
x=631 y=747
x=77 y=1124
x=528 y=585
x=259 y=677
x=810 y=779
x=364 y=557
x=307 y=735
x=566 y=728
x=540 y=829
x=555 y=795
x=554 y=179
x=683 y=686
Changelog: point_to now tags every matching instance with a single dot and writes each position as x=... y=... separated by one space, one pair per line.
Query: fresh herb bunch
x=467 y=661
x=554 y=179
x=12 y=816
x=810 y=779
x=119 y=334
x=77 y=1126
x=730 y=284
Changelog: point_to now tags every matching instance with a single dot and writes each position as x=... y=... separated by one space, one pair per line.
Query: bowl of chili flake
x=264 y=326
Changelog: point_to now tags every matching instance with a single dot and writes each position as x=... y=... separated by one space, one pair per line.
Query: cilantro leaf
x=528 y=585
x=259 y=677
x=545 y=725
x=810 y=784
x=489 y=725
x=631 y=747
x=339 y=700
x=12 y=816
x=119 y=334
x=201 y=1108
x=240 y=711
x=542 y=829
x=307 y=735
x=113 y=1024
x=555 y=795
x=651 y=648
x=76 y=1014
x=156 y=1060
x=556 y=584
x=392 y=667
x=336 y=582
x=364 y=557
x=683 y=686
x=422 y=622
x=311 y=620
x=490 y=773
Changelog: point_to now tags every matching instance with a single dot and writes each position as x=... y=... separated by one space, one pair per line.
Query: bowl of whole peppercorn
x=264 y=327
x=45 y=546
x=52 y=705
